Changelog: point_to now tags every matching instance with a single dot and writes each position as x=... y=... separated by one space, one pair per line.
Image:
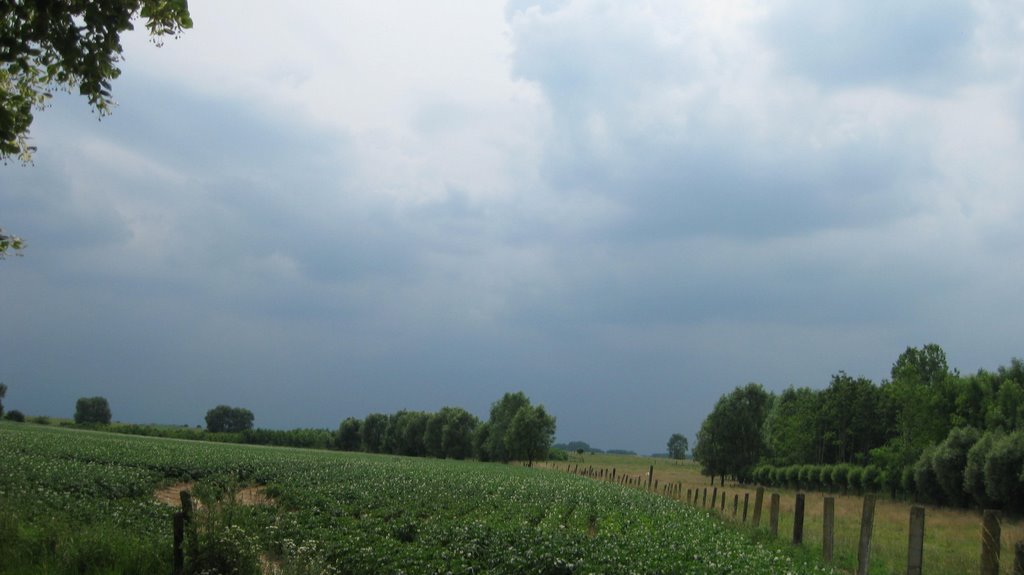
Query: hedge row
x=841 y=478
x=968 y=468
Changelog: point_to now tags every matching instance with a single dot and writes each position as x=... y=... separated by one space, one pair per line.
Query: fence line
x=990 y=531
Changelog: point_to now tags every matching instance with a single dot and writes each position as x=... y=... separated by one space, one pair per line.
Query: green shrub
x=872 y=480
x=1003 y=471
x=808 y=476
x=855 y=479
x=825 y=477
x=840 y=476
x=15 y=415
x=926 y=483
x=974 y=471
x=949 y=460
x=793 y=476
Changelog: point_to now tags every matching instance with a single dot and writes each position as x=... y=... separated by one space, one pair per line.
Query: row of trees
x=516 y=430
x=924 y=414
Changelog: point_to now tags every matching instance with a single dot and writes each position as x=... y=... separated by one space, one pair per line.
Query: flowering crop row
x=354 y=513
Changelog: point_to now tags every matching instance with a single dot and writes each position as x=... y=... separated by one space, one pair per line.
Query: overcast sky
x=325 y=209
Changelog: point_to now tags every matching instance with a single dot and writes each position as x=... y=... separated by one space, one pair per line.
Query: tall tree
x=923 y=393
x=851 y=420
x=227 y=419
x=678 y=446
x=502 y=413
x=457 y=432
x=792 y=427
x=3 y=392
x=730 y=441
x=349 y=438
x=530 y=434
x=92 y=410
x=372 y=436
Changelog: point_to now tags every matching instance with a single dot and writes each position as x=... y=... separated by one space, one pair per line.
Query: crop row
x=61 y=490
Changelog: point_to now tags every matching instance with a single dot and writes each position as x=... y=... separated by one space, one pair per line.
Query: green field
x=83 y=502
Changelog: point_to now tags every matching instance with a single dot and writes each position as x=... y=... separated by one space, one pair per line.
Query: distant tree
x=730 y=441
x=792 y=427
x=433 y=435
x=372 y=433
x=503 y=412
x=457 y=432
x=92 y=410
x=227 y=419
x=15 y=415
x=850 y=420
x=678 y=446
x=481 y=441
x=405 y=433
x=530 y=434
x=349 y=438
x=3 y=392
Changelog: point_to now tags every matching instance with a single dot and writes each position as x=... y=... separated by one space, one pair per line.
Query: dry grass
x=952 y=536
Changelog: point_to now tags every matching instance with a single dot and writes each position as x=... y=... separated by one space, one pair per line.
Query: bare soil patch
x=171 y=495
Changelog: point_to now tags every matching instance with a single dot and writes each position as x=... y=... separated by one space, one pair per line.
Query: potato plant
x=82 y=502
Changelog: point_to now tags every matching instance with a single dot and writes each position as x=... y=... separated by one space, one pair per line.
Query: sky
x=327 y=209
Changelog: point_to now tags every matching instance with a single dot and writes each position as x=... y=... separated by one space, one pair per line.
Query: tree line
x=515 y=430
x=927 y=433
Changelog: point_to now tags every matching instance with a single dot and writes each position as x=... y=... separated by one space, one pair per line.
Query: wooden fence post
x=688 y=496
x=798 y=520
x=773 y=515
x=758 y=501
x=991 y=532
x=714 y=498
x=704 y=501
x=723 y=503
x=828 y=534
x=746 y=502
x=735 y=505
x=867 y=520
x=650 y=477
x=915 y=543
x=1018 y=558
x=179 y=540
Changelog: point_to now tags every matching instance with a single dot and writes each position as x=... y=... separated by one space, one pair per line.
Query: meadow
x=74 y=501
x=952 y=536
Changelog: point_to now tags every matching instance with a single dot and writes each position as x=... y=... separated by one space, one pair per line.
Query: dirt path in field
x=171 y=495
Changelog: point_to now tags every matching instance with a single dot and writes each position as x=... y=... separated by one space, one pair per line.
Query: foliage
x=1004 y=467
x=68 y=45
x=92 y=411
x=503 y=412
x=730 y=441
x=949 y=459
x=10 y=243
x=227 y=419
x=678 y=446
x=349 y=438
x=530 y=435
x=3 y=393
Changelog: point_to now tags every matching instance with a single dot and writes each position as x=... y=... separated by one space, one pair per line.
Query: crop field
x=83 y=502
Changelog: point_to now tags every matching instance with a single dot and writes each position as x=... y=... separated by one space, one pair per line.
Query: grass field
x=952 y=536
x=84 y=502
